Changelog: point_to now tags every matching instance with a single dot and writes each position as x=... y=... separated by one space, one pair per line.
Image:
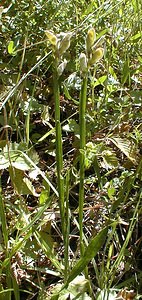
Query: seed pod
x=51 y=37
x=90 y=39
x=65 y=43
x=83 y=63
x=96 y=56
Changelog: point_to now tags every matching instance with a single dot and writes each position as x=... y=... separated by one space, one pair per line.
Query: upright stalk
x=86 y=62
x=59 y=47
x=82 y=126
x=59 y=149
x=67 y=229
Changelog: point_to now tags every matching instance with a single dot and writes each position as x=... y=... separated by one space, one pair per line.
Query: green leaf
x=90 y=252
x=126 y=147
x=4 y=163
x=48 y=250
x=12 y=155
x=126 y=71
x=44 y=196
x=135 y=37
x=77 y=289
x=67 y=94
x=111 y=191
x=22 y=185
x=47 y=238
x=106 y=295
x=100 y=80
x=109 y=159
x=112 y=72
x=51 y=37
x=11 y=48
x=66 y=91
x=72 y=126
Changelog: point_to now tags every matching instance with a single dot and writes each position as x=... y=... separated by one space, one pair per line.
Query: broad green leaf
x=4 y=163
x=27 y=184
x=21 y=163
x=77 y=289
x=106 y=295
x=70 y=295
x=109 y=159
x=90 y=252
x=51 y=37
x=21 y=184
x=126 y=147
x=12 y=155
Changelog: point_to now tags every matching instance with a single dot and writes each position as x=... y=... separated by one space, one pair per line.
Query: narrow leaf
x=90 y=252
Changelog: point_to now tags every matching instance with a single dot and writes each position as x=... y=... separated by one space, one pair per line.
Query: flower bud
x=83 y=63
x=61 y=67
x=96 y=56
x=90 y=39
x=65 y=43
x=51 y=37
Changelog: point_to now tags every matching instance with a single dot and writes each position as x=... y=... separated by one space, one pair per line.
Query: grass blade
x=90 y=252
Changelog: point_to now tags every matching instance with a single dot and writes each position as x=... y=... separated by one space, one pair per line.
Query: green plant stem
x=67 y=217
x=59 y=150
x=82 y=125
x=3 y=221
x=5 y=241
x=93 y=93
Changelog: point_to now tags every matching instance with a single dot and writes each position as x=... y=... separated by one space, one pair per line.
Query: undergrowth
x=70 y=150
